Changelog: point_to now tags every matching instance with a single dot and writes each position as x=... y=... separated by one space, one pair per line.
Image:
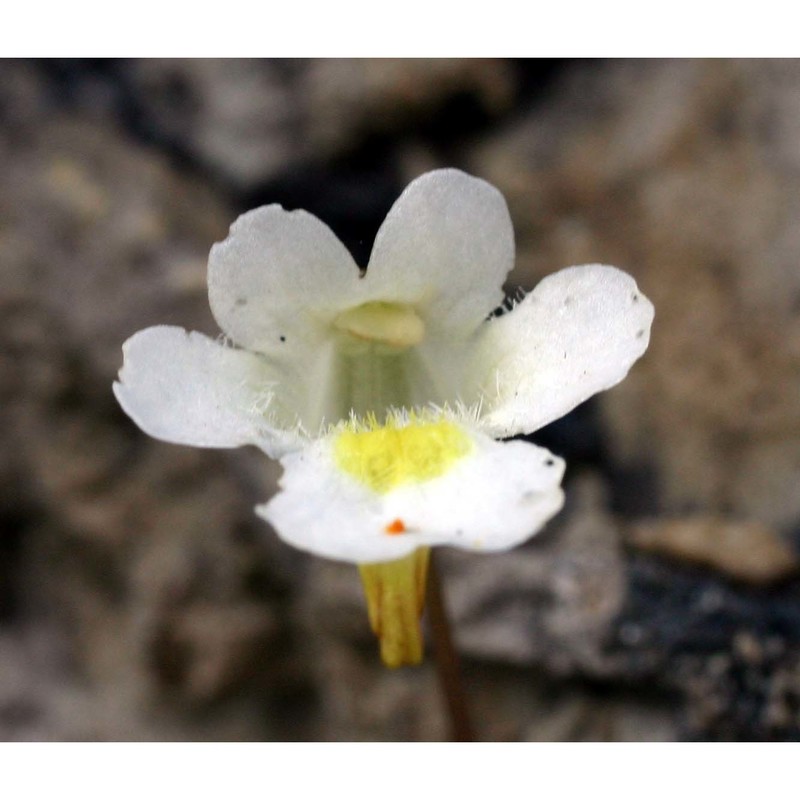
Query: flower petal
x=493 y=498
x=278 y=280
x=188 y=389
x=445 y=246
x=577 y=333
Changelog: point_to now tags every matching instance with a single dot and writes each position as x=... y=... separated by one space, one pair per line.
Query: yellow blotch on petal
x=401 y=451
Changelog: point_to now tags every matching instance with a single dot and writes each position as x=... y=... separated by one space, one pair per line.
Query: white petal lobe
x=278 y=279
x=493 y=499
x=446 y=246
x=577 y=333
x=188 y=389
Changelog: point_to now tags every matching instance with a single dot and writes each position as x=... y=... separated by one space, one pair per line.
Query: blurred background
x=140 y=597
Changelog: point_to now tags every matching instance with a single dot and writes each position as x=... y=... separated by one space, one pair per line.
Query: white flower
x=331 y=362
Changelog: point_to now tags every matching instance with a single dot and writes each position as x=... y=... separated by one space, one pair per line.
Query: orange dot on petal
x=396 y=526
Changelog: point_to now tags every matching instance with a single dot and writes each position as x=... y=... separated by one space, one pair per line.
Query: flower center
x=386 y=456
x=393 y=324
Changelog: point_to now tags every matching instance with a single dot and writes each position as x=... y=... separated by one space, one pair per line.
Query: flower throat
x=374 y=350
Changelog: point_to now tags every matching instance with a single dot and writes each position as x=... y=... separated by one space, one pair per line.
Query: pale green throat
x=376 y=347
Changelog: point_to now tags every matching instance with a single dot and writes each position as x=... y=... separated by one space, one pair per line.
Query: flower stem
x=447 y=665
x=395 y=592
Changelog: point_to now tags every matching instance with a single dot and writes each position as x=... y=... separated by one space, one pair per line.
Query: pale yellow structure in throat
x=384 y=457
x=394 y=324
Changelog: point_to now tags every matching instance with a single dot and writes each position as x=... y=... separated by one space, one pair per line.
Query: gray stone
x=251 y=120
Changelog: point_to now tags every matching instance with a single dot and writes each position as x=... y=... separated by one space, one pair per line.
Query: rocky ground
x=140 y=598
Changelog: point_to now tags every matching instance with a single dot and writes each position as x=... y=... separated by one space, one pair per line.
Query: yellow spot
x=393 y=324
x=396 y=526
x=386 y=456
x=395 y=592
